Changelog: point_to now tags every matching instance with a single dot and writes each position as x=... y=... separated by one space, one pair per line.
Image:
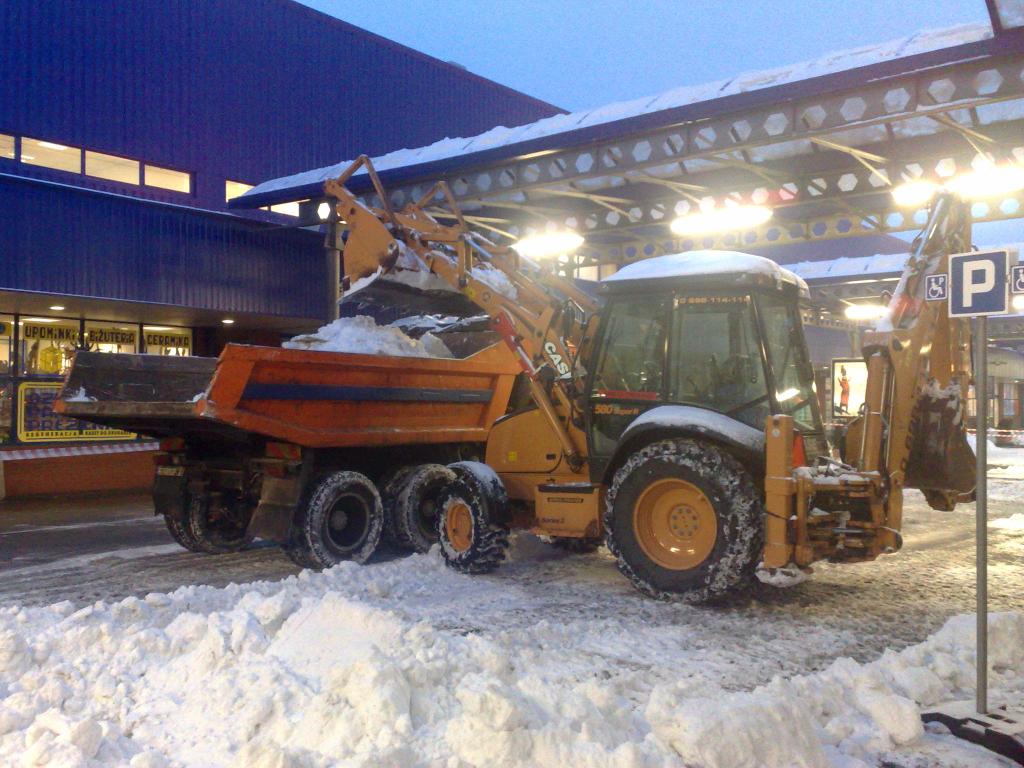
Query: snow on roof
x=879 y=265
x=703 y=264
x=500 y=136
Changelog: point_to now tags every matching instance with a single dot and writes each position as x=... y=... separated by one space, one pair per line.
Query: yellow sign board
x=98 y=334
x=58 y=332
x=38 y=423
x=165 y=339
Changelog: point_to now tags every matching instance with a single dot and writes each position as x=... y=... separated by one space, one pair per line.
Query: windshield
x=787 y=356
x=717 y=358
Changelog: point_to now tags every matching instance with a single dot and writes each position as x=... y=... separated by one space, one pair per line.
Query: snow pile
x=362 y=335
x=358 y=666
x=1014 y=522
x=496 y=280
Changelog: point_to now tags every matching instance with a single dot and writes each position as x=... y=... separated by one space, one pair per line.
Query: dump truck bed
x=310 y=398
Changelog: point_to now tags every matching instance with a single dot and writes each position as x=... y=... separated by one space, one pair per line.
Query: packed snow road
x=554 y=659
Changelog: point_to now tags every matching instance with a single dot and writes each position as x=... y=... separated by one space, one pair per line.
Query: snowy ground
x=552 y=660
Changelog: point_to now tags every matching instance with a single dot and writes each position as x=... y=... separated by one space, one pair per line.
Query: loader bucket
x=940 y=457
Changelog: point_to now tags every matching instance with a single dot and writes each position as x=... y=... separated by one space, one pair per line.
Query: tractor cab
x=708 y=341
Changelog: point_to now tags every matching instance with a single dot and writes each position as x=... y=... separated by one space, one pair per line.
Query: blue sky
x=578 y=54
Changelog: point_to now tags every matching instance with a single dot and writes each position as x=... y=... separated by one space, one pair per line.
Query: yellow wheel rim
x=675 y=524
x=458 y=525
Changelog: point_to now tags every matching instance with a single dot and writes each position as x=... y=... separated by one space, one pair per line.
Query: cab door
x=631 y=372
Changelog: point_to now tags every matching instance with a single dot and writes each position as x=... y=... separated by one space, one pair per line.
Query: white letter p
x=984 y=285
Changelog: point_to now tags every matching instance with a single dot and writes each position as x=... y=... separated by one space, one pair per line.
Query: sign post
x=981 y=508
x=977 y=288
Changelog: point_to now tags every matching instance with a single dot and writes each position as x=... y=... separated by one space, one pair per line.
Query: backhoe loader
x=676 y=420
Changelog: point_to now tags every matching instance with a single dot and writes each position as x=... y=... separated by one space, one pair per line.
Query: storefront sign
x=58 y=332
x=37 y=422
x=102 y=335
x=164 y=339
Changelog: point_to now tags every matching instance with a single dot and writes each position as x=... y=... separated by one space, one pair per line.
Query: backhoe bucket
x=940 y=457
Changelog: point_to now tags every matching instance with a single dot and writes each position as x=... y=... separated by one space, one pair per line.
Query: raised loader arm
x=912 y=434
x=542 y=317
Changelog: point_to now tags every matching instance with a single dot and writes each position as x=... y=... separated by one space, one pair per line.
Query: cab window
x=717 y=361
x=633 y=358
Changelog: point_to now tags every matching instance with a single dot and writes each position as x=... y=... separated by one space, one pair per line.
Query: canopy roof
x=821 y=143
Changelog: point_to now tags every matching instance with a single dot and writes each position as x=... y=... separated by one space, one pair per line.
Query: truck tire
x=472 y=510
x=414 y=506
x=390 y=486
x=178 y=529
x=685 y=521
x=342 y=519
x=216 y=528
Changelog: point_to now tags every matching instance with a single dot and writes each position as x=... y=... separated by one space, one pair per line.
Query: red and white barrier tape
x=19 y=454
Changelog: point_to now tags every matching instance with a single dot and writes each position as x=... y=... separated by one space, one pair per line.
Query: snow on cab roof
x=712 y=264
x=501 y=136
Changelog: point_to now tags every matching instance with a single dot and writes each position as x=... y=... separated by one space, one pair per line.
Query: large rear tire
x=413 y=506
x=471 y=514
x=685 y=521
x=342 y=520
x=217 y=525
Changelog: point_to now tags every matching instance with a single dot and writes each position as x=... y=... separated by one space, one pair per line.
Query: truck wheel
x=575 y=546
x=414 y=506
x=342 y=520
x=471 y=511
x=684 y=521
x=390 y=486
x=177 y=527
x=217 y=525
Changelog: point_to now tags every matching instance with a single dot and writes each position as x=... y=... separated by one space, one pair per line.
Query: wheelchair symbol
x=1017 y=279
x=936 y=288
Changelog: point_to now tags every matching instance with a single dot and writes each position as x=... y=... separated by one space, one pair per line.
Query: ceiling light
x=864 y=311
x=914 y=194
x=548 y=244
x=733 y=218
x=990 y=181
x=51 y=145
x=227 y=321
x=56 y=307
x=324 y=211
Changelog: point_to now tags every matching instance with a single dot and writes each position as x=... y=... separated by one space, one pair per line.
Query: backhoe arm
x=541 y=316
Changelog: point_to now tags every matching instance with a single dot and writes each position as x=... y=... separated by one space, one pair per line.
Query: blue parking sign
x=978 y=283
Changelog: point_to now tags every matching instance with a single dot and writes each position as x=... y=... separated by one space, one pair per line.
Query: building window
x=233 y=189
x=164 y=178
x=111 y=337
x=168 y=341
x=47 y=154
x=47 y=345
x=111 y=167
x=6 y=146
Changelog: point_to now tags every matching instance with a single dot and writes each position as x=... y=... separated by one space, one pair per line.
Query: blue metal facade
x=240 y=90
x=64 y=241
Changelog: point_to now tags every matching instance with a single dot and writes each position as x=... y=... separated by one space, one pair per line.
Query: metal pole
x=981 y=505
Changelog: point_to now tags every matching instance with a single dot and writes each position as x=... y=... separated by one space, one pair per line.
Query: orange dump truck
x=323 y=452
